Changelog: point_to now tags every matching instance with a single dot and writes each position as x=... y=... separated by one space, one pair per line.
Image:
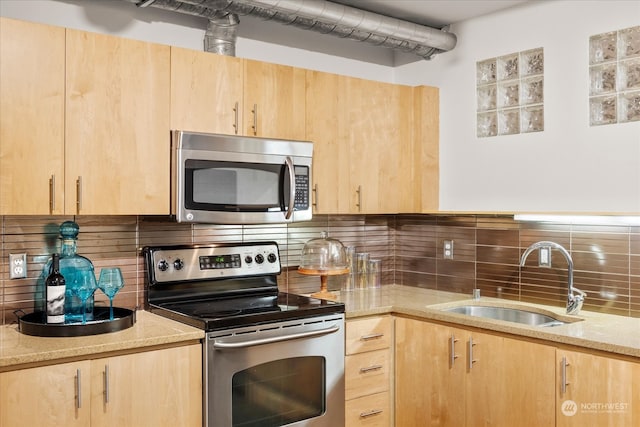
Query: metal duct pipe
x=221 y=35
x=328 y=18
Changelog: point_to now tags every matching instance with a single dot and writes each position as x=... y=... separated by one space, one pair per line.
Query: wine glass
x=86 y=287
x=110 y=283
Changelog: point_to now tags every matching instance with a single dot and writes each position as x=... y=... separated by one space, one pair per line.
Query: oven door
x=280 y=374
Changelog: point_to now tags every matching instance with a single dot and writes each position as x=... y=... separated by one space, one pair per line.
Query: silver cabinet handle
x=78 y=389
x=235 y=123
x=371 y=337
x=370 y=413
x=52 y=193
x=79 y=194
x=359 y=202
x=106 y=383
x=255 y=119
x=315 y=192
x=471 y=359
x=370 y=368
x=563 y=370
x=452 y=350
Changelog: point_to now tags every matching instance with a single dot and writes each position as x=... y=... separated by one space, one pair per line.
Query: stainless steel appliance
x=227 y=179
x=270 y=358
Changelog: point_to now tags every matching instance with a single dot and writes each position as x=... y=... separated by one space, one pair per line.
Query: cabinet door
x=206 y=92
x=274 y=100
x=598 y=391
x=509 y=382
x=117 y=125
x=382 y=165
x=46 y=396
x=31 y=118
x=324 y=127
x=426 y=127
x=430 y=374
x=154 y=388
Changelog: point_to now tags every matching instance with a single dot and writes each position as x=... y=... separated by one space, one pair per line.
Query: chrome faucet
x=574 y=302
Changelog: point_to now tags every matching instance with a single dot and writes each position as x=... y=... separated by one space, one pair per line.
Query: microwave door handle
x=292 y=187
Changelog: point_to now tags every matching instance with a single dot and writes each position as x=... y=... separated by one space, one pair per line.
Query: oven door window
x=280 y=392
x=236 y=186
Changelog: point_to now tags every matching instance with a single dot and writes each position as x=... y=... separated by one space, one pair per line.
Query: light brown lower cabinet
x=369 y=372
x=152 y=388
x=595 y=390
x=448 y=376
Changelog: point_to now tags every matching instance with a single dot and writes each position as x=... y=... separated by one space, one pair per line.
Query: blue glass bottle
x=75 y=268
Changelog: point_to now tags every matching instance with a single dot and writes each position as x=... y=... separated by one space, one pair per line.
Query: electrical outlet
x=17 y=266
x=447 y=249
x=544 y=257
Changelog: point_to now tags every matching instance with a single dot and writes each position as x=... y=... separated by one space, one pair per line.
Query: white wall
x=570 y=166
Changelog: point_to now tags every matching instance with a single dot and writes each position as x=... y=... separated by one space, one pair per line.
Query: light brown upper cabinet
x=221 y=94
x=31 y=118
x=85 y=123
x=274 y=101
x=117 y=125
x=381 y=162
x=426 y=128
x=373 y=145
x=206 y=92
x=325 y=124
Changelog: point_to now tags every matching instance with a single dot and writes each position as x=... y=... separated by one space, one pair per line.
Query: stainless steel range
x=270 y=358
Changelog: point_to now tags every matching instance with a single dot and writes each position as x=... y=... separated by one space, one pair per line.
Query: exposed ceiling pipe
x=221 y=35
x=325 y=17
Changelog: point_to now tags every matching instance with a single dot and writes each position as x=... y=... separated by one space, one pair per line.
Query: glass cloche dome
x=323 y=255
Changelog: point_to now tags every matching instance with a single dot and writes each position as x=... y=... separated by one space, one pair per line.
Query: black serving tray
x=34 y=324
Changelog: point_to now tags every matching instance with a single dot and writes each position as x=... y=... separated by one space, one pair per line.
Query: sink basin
x=525 y=317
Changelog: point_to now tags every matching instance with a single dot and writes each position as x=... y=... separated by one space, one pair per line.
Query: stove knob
x=178 y=264
x=163 y=265
x=248 y=259
x=271 y=258
x=259 y=259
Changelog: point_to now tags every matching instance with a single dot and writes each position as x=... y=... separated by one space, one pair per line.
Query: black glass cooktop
x=221 y=313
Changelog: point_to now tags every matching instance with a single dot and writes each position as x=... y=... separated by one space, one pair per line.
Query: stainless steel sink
x=525 y=317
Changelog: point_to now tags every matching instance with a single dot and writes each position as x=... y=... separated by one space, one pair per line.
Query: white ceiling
x=433 y=13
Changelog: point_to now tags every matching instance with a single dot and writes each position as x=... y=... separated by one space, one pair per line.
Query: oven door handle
x=243 y=344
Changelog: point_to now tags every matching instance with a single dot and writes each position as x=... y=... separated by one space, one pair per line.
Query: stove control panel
x=186 y=263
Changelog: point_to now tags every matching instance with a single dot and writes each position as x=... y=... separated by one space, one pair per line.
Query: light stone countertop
x=17 y=349
x=590 y=330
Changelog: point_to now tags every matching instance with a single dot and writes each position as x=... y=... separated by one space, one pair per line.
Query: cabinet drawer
x=368 y=334
x=366 y=373
x=370 y=411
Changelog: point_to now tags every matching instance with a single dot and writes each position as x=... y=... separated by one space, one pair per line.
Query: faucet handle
x=574 y=302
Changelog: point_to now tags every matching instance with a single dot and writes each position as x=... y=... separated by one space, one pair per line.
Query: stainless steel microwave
x=225 y=179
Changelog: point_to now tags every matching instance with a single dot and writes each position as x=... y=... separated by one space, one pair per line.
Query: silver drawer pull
x=370 y=368
x=371 y=337
x=370 y=413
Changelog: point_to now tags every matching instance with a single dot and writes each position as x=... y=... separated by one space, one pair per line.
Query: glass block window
x=614 y=77
x=510 y=94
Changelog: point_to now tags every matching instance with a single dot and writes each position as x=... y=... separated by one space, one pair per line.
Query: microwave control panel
x=301 y=201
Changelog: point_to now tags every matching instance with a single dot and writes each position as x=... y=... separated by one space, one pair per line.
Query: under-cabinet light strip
x=581 y=219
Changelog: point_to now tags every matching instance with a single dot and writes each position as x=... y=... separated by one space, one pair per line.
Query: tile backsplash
x=487 y=250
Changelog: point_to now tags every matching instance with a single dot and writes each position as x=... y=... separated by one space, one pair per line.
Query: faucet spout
x=575 y=297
